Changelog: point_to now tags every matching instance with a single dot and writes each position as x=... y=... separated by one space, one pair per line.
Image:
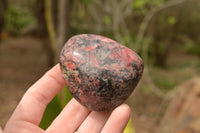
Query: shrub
x=17 y=18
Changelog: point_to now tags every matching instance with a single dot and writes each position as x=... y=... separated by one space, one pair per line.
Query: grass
x=164 y=78
x=180 y=67
x=164 y=82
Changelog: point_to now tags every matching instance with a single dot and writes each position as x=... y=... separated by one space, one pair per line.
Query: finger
x=1 y=131
x=69 y=119
x=94 y=122
x=118 y=120
x=35 y=100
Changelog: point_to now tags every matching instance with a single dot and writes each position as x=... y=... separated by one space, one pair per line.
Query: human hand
x=74 y=118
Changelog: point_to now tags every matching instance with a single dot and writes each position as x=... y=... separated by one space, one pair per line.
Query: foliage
x=163 y=80
x=139 y=4
x=17 y=18
x=142 y=6
x=197 y=66
x=55 y=107
x=107 y=20
x=145 y=88
x=52 y=111
x=164 y=83
x=86 y=2
x=192 y=47
x=58 y=103
x=129 y=128
x=172 y=20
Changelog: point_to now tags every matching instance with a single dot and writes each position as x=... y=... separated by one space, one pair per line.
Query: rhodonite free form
x=99 y=72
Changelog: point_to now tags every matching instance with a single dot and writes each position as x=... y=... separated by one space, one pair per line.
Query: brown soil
x=22 y=63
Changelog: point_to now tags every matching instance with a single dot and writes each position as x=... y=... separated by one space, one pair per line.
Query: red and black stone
x=99 y=72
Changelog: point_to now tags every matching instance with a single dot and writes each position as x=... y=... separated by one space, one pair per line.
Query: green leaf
x=65 y=96
x=161 y=47
x=129 y=128
x=52 y=111
x=107 y=20
x=86 y=2
x=145 y=88
x=139 y=3
x=17 y=18
x=171 y=20
x=55 y=107
x=158 y=2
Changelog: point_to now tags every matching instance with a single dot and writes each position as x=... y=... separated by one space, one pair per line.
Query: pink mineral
x=99 y=72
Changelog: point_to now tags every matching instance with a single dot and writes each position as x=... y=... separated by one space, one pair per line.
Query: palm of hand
x=73 y=118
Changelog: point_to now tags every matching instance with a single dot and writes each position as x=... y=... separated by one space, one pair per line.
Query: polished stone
x=99 y=72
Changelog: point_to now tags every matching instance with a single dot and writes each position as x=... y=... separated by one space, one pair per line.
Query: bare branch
x=63 y=22
x=145 y=47
x=96 y=17
x=147 y=76
x=149 y=16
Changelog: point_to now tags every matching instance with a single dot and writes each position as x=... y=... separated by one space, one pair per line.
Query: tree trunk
x=51 y=32
x=3 y=7
x=64 y=8
x=166 y=38
x=57 y=39
x=55 y=13
x=42 y=31
x=41 y=24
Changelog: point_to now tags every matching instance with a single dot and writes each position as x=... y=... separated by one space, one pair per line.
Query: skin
x=74 y=118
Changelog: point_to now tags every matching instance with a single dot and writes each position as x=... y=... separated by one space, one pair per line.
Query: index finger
x=35 y=100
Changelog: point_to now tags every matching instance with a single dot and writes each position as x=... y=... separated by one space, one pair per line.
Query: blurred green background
x=165 y=33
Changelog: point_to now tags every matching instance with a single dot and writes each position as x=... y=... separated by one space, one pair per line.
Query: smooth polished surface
x=99 y=72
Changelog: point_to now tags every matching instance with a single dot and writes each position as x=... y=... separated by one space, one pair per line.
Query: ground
x=23 y=61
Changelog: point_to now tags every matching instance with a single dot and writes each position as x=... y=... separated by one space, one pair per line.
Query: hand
x=74 y=118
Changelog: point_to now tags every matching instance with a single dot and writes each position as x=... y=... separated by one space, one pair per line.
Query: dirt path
x=22 y=62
